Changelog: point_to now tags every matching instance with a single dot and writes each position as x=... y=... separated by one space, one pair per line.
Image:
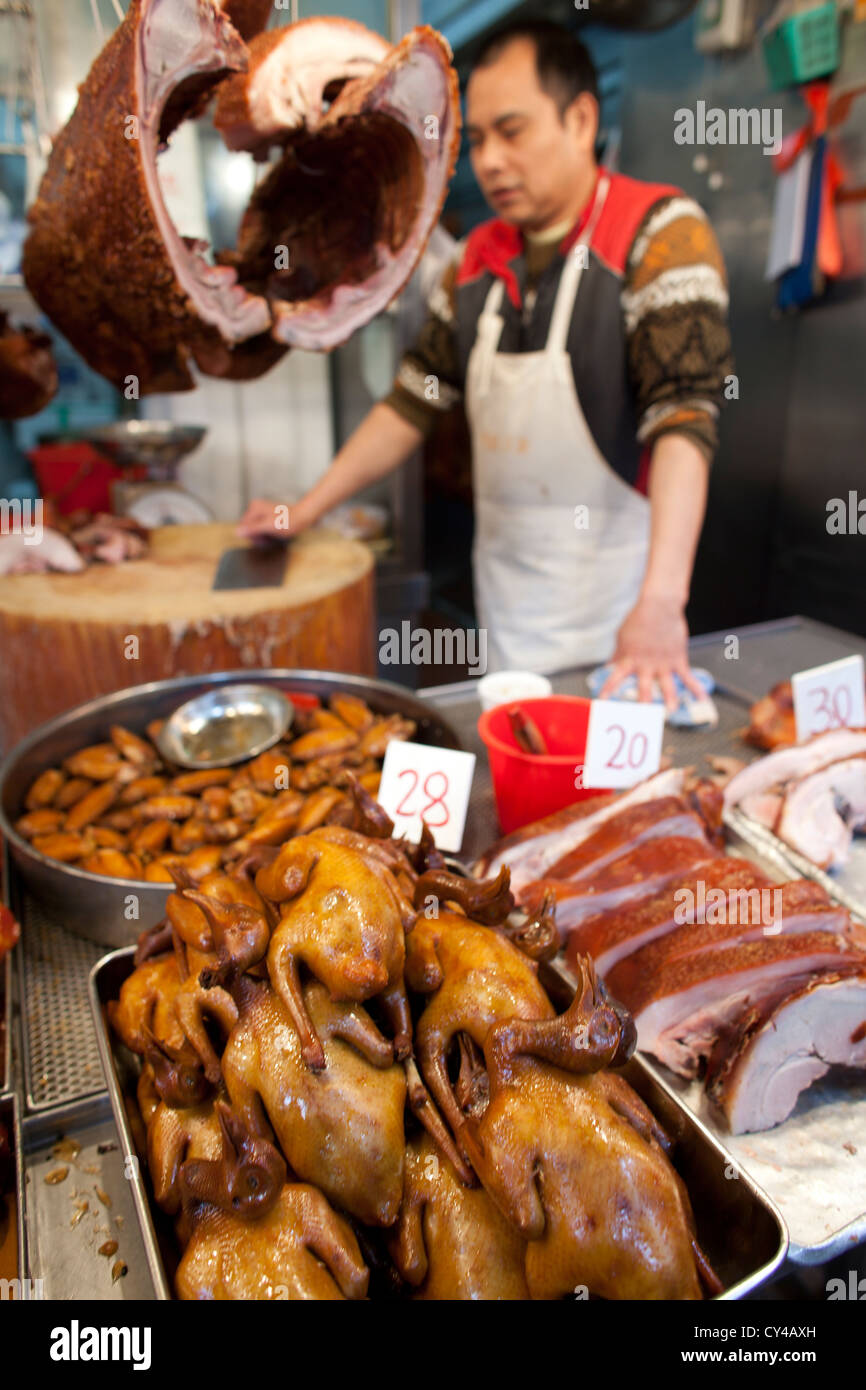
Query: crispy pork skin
x=681 y=1008
x=667 y=816
x=531 y=851
x=621 y=883
x=611 y=936
x=758 y=1070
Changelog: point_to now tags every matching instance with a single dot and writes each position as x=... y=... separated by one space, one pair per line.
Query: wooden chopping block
x=67 y=638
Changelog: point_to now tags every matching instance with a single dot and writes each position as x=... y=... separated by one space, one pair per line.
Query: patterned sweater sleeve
x=675 y=302
x=428 y=382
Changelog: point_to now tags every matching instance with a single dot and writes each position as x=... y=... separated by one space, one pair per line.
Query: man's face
x=527 y=159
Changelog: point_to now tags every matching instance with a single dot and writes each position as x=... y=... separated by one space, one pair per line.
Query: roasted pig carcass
x=330 y=237
x=358 y=191
x=451 y=1241
x=300 y=1249
x=103 y=259
x=28 y=371
x=758 y=1069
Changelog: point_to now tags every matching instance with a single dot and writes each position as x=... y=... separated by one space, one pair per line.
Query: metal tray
x=9 y=1117
x=802 y=1165
x=6 y=1024
x=739 y=1227
x=847 y=886
x=98 y=907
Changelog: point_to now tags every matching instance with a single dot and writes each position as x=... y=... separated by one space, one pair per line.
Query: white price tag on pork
x=421 y=783
x=623 y=743
x=829 y=697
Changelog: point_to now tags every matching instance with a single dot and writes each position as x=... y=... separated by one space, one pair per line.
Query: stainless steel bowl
x=159 y=445
x=225 y=726
x=115 y=910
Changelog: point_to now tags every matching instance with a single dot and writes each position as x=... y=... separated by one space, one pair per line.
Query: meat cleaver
x=258 y=566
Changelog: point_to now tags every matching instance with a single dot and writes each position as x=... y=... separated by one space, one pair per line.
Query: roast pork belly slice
x=681 y=1009
x=668 y=817
x=293 y=74
x=609 y=937
x=621 y=883
x=531 y=851
x=821 y=812
x=790 y=764
x=757 y=1071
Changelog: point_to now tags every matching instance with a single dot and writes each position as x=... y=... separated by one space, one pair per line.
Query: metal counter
x=56 y=1071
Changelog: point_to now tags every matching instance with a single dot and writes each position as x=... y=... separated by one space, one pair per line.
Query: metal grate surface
x=61 y=1061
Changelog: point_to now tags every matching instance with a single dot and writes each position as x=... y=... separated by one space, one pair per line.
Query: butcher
x=585 y=328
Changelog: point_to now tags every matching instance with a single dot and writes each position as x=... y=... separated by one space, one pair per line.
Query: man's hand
x=653 y=645
x=266 y=520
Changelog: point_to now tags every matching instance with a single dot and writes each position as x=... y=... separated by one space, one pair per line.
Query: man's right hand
x=266 y=520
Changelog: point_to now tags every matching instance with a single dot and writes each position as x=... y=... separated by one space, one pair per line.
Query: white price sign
x=623 y=744
x=829 y=697
x=420 y=783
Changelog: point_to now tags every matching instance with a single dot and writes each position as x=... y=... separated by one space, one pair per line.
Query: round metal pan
x=114 y=911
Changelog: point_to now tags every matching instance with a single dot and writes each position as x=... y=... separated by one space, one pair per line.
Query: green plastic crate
x=803 y=47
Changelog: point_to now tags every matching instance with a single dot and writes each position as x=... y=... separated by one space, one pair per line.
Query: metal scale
x=156 y=447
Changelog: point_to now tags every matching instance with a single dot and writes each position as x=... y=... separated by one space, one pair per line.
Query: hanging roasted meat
x=331 y=235
x=28 y=371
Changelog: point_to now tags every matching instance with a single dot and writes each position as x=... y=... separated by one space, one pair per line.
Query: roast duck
x=366 y=137
x=759 y=987
x=353 y=1084
x=118 y=810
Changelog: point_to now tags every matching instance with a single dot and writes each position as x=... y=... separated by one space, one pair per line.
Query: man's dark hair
x=565 y=68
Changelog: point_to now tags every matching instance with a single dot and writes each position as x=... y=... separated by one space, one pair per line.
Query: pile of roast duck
x=118 y=809
x=361 y=137
x=758 y=987
x=353 y=1084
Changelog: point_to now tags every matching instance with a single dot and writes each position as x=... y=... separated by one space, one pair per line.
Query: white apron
x=552 y=583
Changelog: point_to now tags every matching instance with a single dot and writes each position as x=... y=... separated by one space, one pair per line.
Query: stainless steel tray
x=9 y=1117
x=815 y=1182
x=846 y=886
x=739 y=1227
x=101 y=908
x=6 y=1024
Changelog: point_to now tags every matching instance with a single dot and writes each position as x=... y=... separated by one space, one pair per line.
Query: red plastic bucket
x=528 y=786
